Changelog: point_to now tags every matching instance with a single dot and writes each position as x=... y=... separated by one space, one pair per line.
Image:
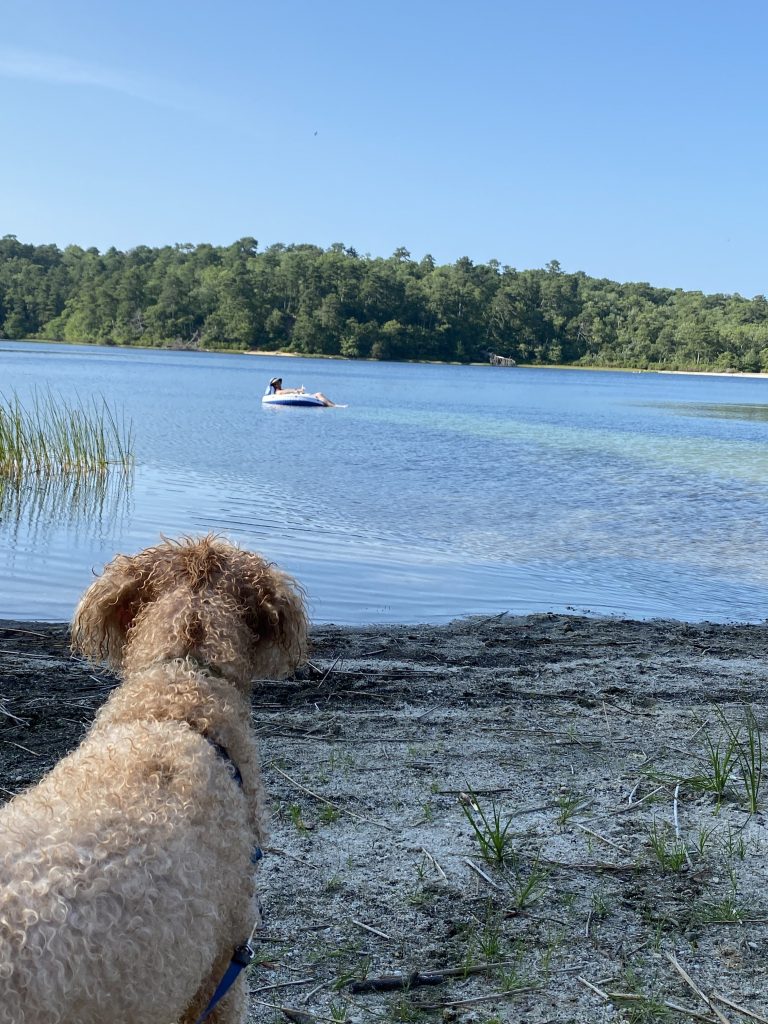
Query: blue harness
x=240 y=960
x=243 y=955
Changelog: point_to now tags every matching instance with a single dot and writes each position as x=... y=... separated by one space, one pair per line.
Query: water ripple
x=440 y=491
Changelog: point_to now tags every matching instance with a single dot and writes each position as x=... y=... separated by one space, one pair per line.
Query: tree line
x=334 y=301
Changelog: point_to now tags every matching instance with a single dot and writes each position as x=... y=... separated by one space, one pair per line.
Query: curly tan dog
x=126 y=879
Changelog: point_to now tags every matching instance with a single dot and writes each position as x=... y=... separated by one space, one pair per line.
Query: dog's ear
x=290 y=624
x=275 y=610
x=106 y=612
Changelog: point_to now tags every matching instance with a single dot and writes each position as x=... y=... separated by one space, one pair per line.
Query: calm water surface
x=439 y=491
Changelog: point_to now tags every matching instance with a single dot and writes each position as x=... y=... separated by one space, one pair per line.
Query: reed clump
x=49 y=435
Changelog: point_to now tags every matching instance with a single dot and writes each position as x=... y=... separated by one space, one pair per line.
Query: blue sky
x=628 y=140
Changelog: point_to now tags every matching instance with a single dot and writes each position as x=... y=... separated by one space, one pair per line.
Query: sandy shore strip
x=717 y=373
x=526 y=366
x=537 y=818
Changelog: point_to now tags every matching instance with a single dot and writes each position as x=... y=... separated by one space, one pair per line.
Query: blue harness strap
x=234 y=771
x=240 y=960
x=243 y=954
x=232 y=768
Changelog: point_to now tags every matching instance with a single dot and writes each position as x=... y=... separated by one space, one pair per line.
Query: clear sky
x=624 y=139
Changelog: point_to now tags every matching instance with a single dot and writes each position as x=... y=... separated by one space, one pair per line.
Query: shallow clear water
x=439 y=491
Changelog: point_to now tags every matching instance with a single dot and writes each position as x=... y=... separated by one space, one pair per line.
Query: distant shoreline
x=718 y=373
x=424 y=362
x=519 y=366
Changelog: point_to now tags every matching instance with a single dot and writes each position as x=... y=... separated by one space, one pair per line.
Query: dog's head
x=202 y=597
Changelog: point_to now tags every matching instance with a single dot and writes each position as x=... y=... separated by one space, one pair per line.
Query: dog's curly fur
x=125 y=874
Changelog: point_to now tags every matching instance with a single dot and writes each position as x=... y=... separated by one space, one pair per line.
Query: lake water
x=440 y=491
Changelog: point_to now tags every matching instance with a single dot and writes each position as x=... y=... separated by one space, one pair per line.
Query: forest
x=337 y=302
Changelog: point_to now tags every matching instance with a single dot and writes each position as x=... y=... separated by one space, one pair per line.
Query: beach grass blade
x=491 y=830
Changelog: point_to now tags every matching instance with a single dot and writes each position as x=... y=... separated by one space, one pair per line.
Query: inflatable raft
x=297 y=400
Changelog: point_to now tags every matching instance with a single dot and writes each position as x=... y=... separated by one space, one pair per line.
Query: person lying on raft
x=276 y=388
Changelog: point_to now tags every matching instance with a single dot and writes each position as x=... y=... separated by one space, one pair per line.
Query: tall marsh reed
x=48 y=435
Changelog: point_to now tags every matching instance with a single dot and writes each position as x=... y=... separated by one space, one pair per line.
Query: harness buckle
x=243 y=954
x=241 y=957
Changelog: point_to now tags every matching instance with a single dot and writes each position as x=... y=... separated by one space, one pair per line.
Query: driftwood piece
x=396 y=982
x=297 y=1016
x=401 y=982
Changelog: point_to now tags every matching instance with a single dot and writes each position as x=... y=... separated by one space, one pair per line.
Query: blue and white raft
x=282 y=399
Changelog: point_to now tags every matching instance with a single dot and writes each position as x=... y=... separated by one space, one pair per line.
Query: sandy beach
x=533 y=366
x=623 y=887
x=718 y=373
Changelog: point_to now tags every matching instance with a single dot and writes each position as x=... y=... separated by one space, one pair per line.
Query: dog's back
x=126 y=879
x=114 y=873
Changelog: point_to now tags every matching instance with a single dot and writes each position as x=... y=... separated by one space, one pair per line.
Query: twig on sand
x=674 y=812
x=35 y=657
x=284 y=853
x=429 y=711
x=588 y=984
x=104 y=684
x=739 y=1009
x=9 y=714
x=280 y=984
x=396 y=982
x=437 y=867
x=308 y=995
x=492 y=618
x=584 y=865
x=400 y=982
x=330 y=803
x=636 y=804
x=703 y=726
x=373 y=931
x=622 y=710
x=678 y=834
x=490 y=790
x=505 y=994
x=598 y=835
x=27 y=632
x=336 y=660
x=21 y=746
x=607 y=723
x=692 y=985
x=296 y=1016
x=629 y=996
x=480 y=872
x=679 y=1008
x=720 y=921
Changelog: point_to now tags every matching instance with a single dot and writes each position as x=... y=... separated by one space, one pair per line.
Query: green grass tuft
x=49 y=436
